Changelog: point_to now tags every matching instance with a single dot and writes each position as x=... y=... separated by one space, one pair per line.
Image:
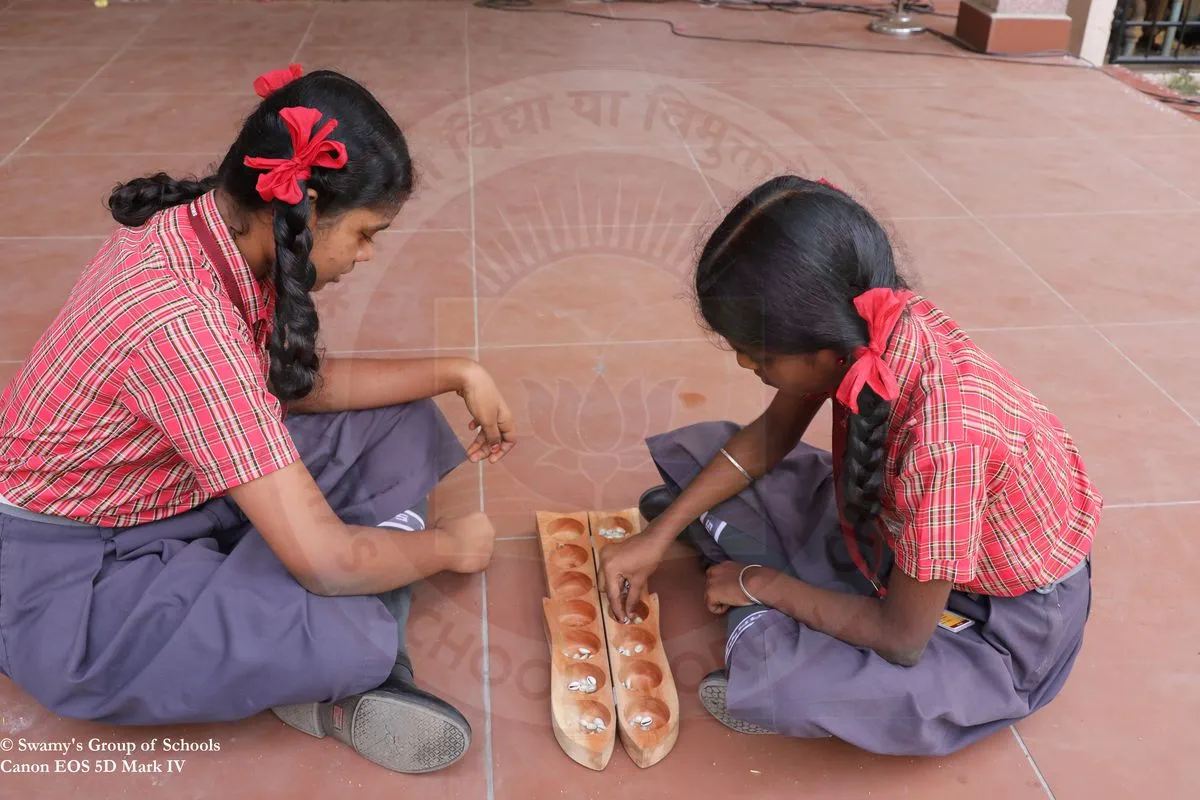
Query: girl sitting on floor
x=952 y=497
x=172 y=549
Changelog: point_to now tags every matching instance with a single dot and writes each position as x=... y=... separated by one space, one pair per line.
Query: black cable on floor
x=527 y=7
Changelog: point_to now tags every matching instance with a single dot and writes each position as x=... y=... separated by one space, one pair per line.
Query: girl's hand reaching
x=489 y=416
x=626 y=567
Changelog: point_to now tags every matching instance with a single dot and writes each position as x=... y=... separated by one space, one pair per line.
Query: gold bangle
x=745 y=591
x=739 y=467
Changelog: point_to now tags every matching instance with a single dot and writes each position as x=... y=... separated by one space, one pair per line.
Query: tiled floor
x=1055 y=213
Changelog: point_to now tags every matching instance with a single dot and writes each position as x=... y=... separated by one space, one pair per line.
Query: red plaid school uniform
x=148 y=394
x=982 y=487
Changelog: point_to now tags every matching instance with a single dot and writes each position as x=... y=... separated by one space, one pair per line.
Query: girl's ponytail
x=133 y=203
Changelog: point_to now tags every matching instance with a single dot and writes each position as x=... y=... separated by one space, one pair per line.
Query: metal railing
x=1155 y=32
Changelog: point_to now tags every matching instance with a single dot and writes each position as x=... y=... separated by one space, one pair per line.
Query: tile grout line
x=1146 y=375
x=532 y=345
x=1029 y=267
x=1023 y=91
x=120 y=52
x=687 y=147
x=312 y=23
x=1032 y=762
x=484 y=624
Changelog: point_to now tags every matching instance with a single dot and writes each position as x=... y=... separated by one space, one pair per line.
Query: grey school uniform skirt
x=794 y=680
x=194 y=618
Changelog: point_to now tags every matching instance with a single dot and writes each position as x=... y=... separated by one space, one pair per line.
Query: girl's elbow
x=317 y=583
x=903 y=653
x=902 y=657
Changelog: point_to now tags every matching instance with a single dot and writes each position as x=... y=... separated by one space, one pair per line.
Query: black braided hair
x=779 y=275
x=378 y=174
x=294 y=361
x=135 y=202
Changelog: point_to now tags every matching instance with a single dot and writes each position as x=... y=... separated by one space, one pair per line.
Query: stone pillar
x=1014 y=26
x=1091 y=27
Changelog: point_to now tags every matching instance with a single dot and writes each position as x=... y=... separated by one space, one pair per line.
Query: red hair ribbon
x=282 y=181
x=881 y=308
x=268 y=83
x=824 y=182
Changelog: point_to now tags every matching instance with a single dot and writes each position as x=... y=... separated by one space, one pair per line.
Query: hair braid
x=294 y=359
x=134 y=202
x=863 y=462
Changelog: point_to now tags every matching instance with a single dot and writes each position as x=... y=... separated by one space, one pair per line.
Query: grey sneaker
x=396 y=726
x=713 y=691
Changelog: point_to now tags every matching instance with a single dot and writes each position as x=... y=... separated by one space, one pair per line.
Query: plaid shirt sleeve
x=940 y=501
x=206 y=393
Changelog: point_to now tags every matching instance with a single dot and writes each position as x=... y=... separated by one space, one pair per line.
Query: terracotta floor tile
x=943 y=112
x=1161 y=351
x=145 y=123
x=976 y=279
x=38 y=274
x=425 y=67
x=1169 y=158
x=851 y=35
x=590 y=284
x=1120 y=268
x=1115 y=731
x=8 y=369
x=622 y=233
x=65 y=195
x=694 y=19
x=1057 y=71
x=415 y=293
x=59 y=70
x=423 y=115
x=1134 y=440
x=540 y=49
x=583 y=412
x=443 y=193
x=708 y=760
x=522 y=189
x=393 y=27
x=79 y=27
x=1093 y=107
x=1074 y=175
x=877 y=174
x=244 y=26
x=22 y=114
x=487 y=26
x=708 y=115
x=169 y=68
x=566 y=111
x=915 y=67
x=665 y=57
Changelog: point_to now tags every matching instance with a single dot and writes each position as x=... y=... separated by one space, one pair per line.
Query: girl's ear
x=312 y=209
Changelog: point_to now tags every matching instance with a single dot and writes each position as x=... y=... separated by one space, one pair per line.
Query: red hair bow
x=824 y=182
x=282 y=181
x=268 y=83
x=881 y=308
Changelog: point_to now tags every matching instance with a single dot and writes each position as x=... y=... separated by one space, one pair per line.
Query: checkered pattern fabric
x=983 y=486
x=148 y=394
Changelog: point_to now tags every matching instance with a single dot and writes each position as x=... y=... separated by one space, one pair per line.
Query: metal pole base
x=898 y=24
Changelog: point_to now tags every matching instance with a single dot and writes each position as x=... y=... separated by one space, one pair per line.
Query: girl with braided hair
x=926 y=583
x=200 y=517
